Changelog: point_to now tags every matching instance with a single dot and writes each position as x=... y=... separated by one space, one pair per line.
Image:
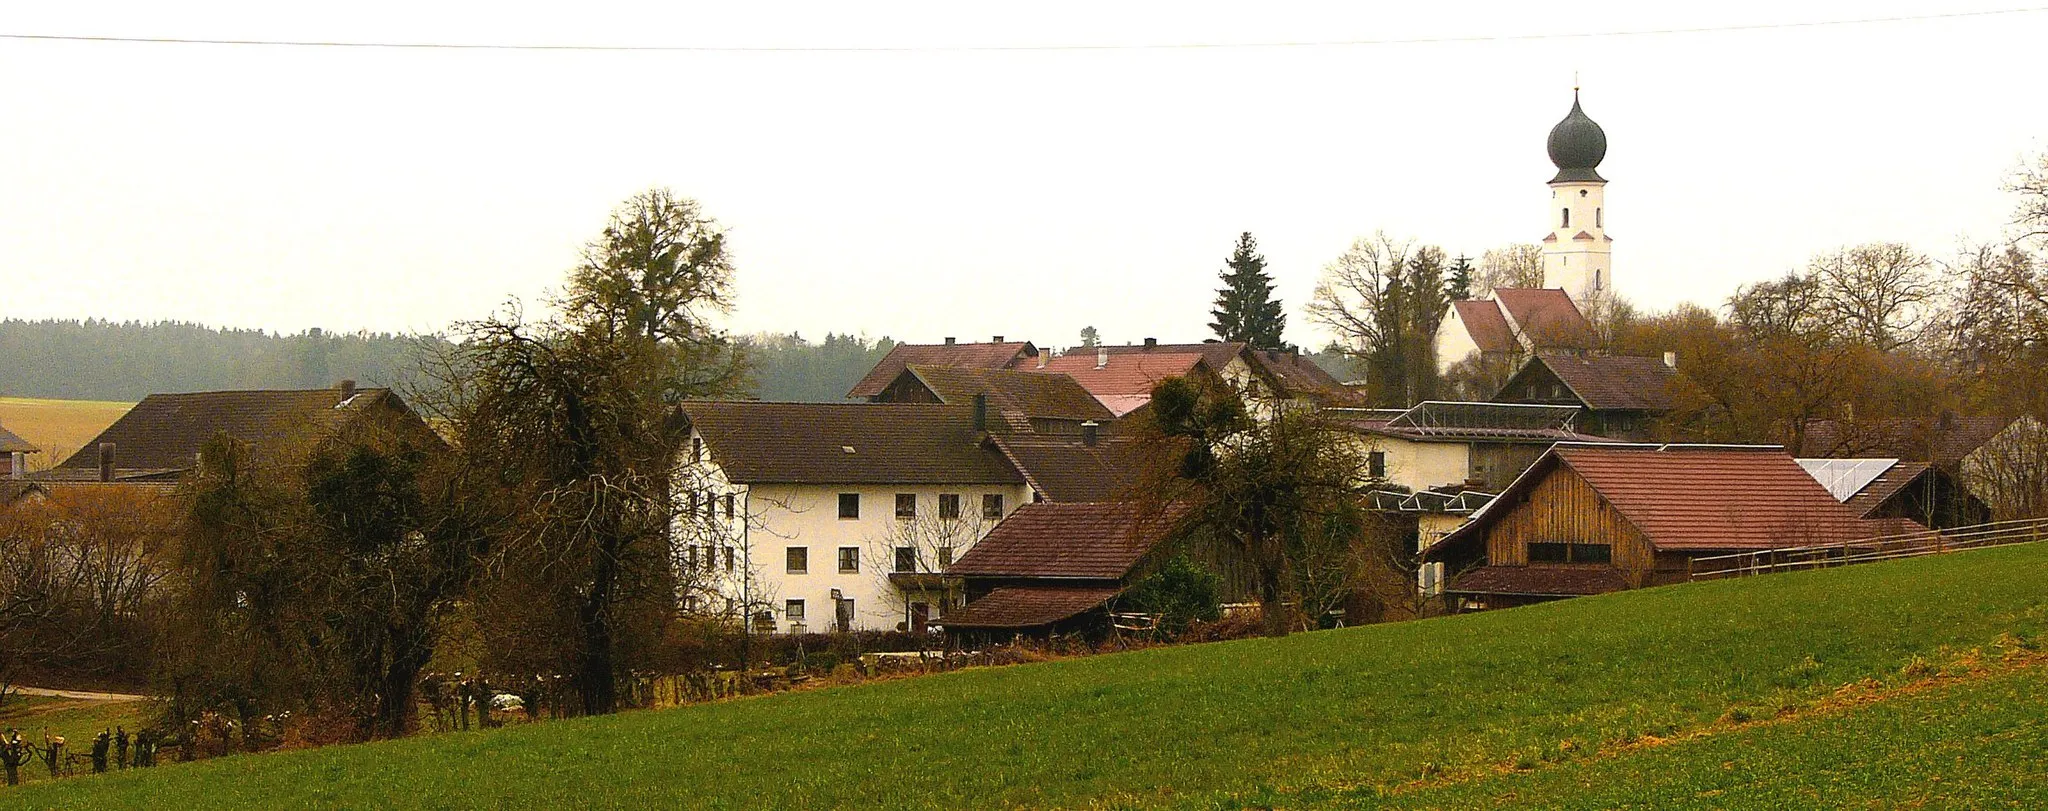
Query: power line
x=1347 y=43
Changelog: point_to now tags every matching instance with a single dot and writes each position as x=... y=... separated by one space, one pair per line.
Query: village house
x=996 y=354
x=1122 y=381
x=1621 y=397
x=159 y=440
x=1455 y=446
x=1023 y=401
x=837 y=516
x=1890 y=488
x=14 y=453
x=1055 y=568
x=1594 y=518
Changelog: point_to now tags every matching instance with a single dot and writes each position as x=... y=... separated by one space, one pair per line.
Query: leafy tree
x=1245 y=308
x=1090 y=337
x=1181 y=592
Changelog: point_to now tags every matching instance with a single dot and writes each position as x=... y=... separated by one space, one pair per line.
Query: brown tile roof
x=9 y=443
x=1539 y=580
x=1887 y=484
x=1545 y=316
x=1093 y=541
x=978 y=356
x=1126 y=382
x=1488 y=328
x=1299 y=377
x=1612 y=382
x=1012 y=392
x=161 y=436
x=1063 y=468
x=1943 y=442
x=806 y=443
x=1026 y=607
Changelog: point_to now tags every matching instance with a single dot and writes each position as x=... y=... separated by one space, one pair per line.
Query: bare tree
x=1881 y=294
x=1383 y=298
x=918 y=547
x=79 y=577
x=1517 y=265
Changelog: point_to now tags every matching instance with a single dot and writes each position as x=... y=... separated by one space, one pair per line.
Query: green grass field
x=59 y=427
x=77 y=721
x=1338 y=717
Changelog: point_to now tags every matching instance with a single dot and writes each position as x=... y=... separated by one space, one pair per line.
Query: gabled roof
x=1684 y=497
x=1001 y=355
x=1608 y=382
x=1290 y=374
x=162 y=435
x=1545 y=317
x=1027 y=606
x=1486 y=325
x=1099 y=541
x=1217 y=354
x=1865 y=484
x=1064 y=468
x=1012 y=392
x=847 y=443
x=1941 y=440
x=1125 y=382
x=1439 y=421
x=9 y=443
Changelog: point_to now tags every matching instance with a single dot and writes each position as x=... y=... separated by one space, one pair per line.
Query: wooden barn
x=1054 y=568
x=1594 y=518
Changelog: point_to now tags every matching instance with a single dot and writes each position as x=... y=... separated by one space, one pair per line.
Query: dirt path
x=81 y=695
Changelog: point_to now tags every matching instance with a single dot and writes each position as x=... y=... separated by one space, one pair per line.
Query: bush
x=1181 y=592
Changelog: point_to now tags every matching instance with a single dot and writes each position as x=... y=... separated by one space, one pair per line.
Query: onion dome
x=1576 y=146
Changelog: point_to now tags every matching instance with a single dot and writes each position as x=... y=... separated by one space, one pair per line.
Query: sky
x=967 y=183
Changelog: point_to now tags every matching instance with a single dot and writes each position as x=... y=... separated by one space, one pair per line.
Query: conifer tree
x=1245 y=307
x=1458 y=280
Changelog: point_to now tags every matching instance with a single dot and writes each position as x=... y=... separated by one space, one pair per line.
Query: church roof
x=1545 y=317
x=1577 y=145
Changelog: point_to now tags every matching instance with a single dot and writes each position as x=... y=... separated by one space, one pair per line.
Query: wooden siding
x=1563 y=508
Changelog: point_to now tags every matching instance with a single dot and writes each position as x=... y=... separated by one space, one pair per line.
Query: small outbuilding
x=1055 y=568
x=1892 y=488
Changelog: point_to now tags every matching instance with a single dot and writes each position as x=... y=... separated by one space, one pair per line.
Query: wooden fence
x=1868 y=550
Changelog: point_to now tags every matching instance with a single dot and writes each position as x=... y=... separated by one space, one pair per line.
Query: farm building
x=1054 y=568
x=1456 y=446
x=1588 y=519
x=1621 y=396
x=14 y=453
x=1890 y=488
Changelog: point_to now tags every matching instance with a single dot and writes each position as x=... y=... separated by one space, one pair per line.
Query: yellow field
x=59 y=427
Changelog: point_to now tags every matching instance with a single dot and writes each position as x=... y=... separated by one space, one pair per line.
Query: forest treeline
x=125 y=360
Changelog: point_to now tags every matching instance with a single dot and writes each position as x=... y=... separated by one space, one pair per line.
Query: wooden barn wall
x=1563 y=508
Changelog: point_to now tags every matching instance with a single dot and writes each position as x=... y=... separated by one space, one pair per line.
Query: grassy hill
x=59 y=427
x=1541 y=704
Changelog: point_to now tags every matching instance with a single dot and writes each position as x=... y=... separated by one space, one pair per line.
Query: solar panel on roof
x=1844 y=478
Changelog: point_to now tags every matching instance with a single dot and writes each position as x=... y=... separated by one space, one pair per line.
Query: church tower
x=1578 y=255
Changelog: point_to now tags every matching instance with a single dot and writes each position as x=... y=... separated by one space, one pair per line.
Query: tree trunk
x=595 y=663
x=1272 y=608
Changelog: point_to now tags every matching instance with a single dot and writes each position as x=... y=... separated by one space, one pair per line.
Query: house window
x=793 y=610
x=696 y=449
x=906 y=558
x=992 y=505
x=690 y=557
x=799 y=560
x=849 y=560
x=945 y=556
x=1376 y=464
x=845 y=618
x=728 y=506
x=710 y=506
x=694 y=500
x=906 y=505
x=949 y=506
x=1567 y=219
x=729 y=562
x=1570 y=553
x=711 y=558
x=849 y=505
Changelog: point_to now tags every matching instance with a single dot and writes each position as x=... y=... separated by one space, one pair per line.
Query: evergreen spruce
x=1458 y=280
x=1245 y=307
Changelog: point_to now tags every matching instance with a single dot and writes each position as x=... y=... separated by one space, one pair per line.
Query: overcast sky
x=930 y=193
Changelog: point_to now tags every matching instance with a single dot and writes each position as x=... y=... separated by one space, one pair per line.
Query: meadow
x=59 y=427
x=1682 y=690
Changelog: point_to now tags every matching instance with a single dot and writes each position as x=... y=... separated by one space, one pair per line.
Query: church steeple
x=1577 y=255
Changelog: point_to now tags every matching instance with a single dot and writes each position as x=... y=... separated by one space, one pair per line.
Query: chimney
x=996 y=339
x=1671 y=359
x=106 y=461
x=1946 y=422
x=1044 y=356
x=348 y=389
x=949 y=340
x=1151 y=344
x=1089 y=431
x=18 y=465
x=1101 y=357
x=981 y=412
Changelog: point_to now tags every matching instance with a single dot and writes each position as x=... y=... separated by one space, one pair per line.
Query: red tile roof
x=1546 y=317
x=1126 y=381
x=1217 y=354
x=1026 y=607
x=976 y=356
x=1488 y=328
x=162 y=435
x=1091 y=541
x=1611 y=382
x=807 y=443
x=1293 y=375
x=1943 y=442
x=1539 y=581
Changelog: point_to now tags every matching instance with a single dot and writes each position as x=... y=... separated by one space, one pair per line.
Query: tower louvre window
x=1599 y=219
x=1567 y=220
